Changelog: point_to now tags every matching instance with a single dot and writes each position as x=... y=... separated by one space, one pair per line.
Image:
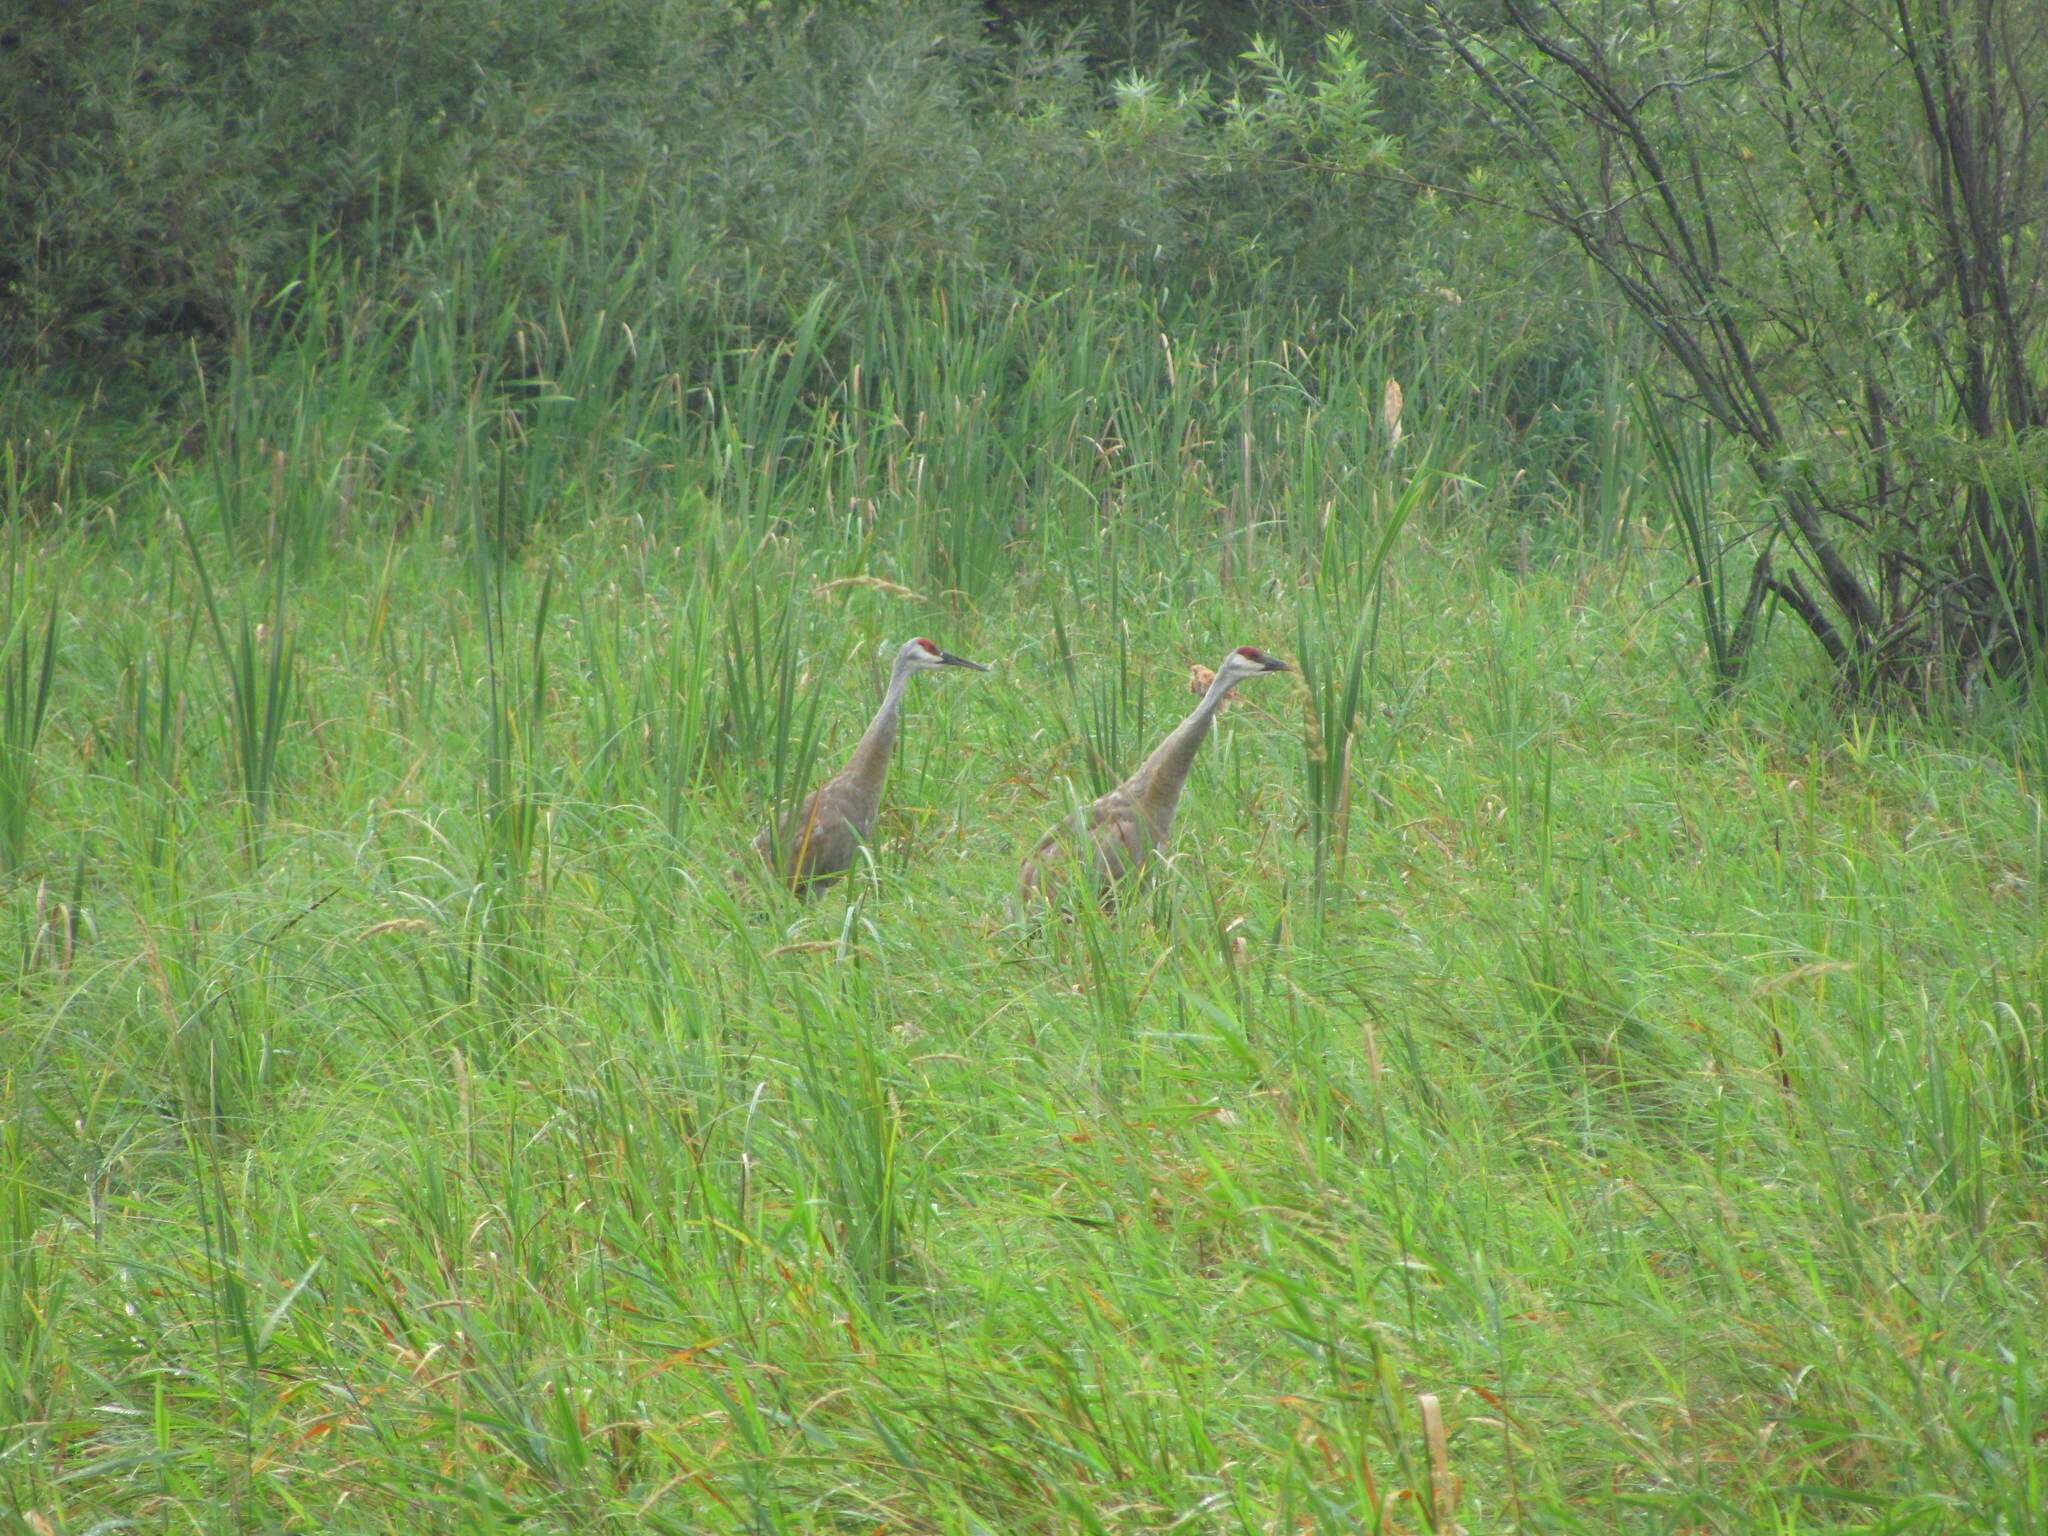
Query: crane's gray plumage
x=1117 y=835
x=815 y=843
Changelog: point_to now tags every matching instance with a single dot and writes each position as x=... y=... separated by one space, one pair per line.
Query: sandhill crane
x=814 y=845
x=1124 y=827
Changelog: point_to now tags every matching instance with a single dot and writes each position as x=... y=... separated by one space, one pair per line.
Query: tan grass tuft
x=395 y=925
x=1199 y=679
x=872 y=583
x=1444 y=1488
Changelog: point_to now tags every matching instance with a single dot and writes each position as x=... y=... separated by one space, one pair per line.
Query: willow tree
x=1830 y=217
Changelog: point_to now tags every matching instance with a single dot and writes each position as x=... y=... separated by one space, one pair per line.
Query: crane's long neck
x=870 y=762
x=1158 y=782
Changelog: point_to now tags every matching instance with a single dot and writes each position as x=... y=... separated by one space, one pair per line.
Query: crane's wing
x=814 y=845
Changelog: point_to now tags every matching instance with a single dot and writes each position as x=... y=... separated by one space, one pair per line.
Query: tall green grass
x=28 y=667
x=1566 y=1103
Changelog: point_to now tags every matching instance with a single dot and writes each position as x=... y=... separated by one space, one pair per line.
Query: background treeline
x=708 y=169
x=171 y=160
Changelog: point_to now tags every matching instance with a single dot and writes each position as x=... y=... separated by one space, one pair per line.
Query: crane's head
x=1250 y=661
x=920 y=654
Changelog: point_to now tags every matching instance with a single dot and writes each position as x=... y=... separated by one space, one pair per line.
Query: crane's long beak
x=1275 y=664
x=947 y=658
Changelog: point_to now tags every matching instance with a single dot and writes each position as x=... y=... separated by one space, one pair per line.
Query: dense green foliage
x=175 y=159
x=458 y=467
x=702 y=171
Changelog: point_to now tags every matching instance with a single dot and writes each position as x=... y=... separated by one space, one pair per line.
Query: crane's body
x=1115 y=837
x=816 y=842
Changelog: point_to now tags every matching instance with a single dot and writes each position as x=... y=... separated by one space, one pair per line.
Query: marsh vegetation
x=1565 y=1077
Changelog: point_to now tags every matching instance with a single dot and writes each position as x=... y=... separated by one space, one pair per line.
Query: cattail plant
x=27 y=669
x=513 y=871
x=1335 y=672
x=256 y=669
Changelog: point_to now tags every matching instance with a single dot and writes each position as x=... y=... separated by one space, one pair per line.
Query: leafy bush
x=1832 y=223
x=176 y=158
